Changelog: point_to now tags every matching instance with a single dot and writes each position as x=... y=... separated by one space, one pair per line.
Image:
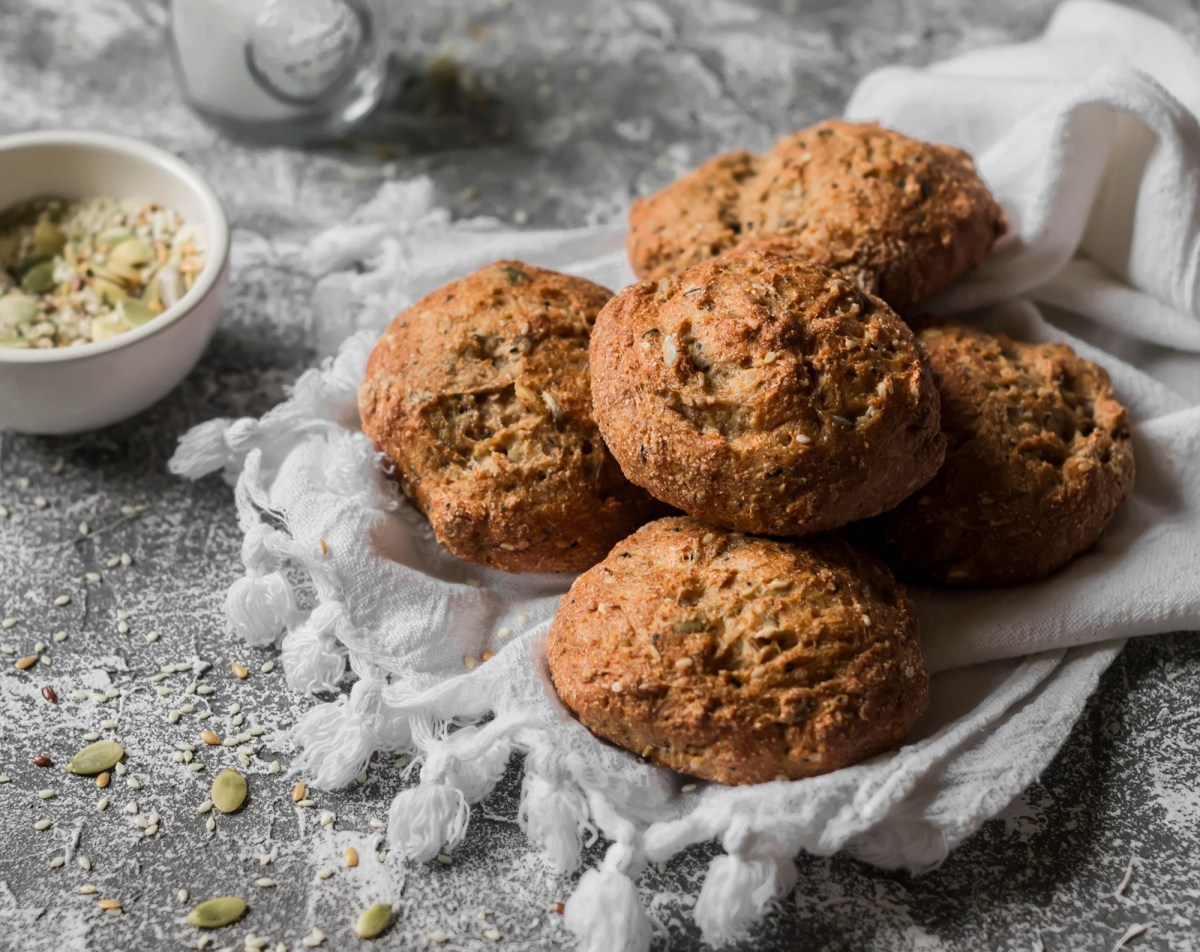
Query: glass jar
x=281 y=71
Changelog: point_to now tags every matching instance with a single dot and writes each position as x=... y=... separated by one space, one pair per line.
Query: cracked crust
x=1039 y=458
x=765 y=394
x=739 y=659
x=479 y=396
x=902 y=218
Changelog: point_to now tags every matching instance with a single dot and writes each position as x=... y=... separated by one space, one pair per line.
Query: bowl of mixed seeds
x=112 y=269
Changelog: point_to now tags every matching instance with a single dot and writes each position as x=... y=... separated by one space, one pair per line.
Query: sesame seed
x=265 y=883
x=84 y=528
x=617 y=687
x=204 y=715
x=174 y=716
x=151 y=829
x=102 y=804
x=113 y=562
x=492 y=934
x=267 y=667
x=306 y=803
x=59 y=637
x=46 y=660
x=151 y=637
x=324 y=873
x=131 y=808
x=126 y=559
x=445 y=860
x=123 y=627
x=121 y=768
x=3 y=512
x=92 y=576
x=522 y=618
x=265 y=859
x=187 y=708
x=59 y=465
x=438 y=936
x=133 y=783
x=210 y=824
x=87 y=889
x=196 y=767
x=182 y=895
x=326 y=818
x=57 y=862
x=204 y=807
x=62 y=600
x=205 y=689
x=43 y=825
x=108 y=725
x=48 y=794
x=688 y=787
x=41 y=502
x=9 y=622
x=273 y=767
x=163 y=691
x=111 y=693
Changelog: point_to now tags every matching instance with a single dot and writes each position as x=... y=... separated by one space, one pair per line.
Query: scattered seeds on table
x=265 y=882
x=375 y=823
x=102 y=779
x=229 y=790
x=209 y=737
x=48 y=794
x=273 y=767
x=102 y=804
x=306 y=803
x=492 y=934
x=324 y=874
x=324 y=546
x=151 y=637
x=43 y=824
x=41 y=760
x=133 y=783
x=121 y=769
x=25 y=663
x=131 y=808
x=126 y=560
x=267 y=667
x=5 y=778
x=9 y=622
x=445 y=860
x=59 y=637
x=182 y=895
x=313 y=939
x=438 y=936
x=107 y=904
x=240 y=671
x=326 y=819
x=87 y=889
x=57 y=862
x=96 y=758
x=41 y=502
x=373 y=921
x=210 y=824
x=91 y=736
x=351 y=856
x=62 y=600
x=218 y=912
x=49 y=694
x=299 y=791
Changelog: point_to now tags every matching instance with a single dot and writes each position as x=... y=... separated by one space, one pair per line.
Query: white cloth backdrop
x=1089 y=136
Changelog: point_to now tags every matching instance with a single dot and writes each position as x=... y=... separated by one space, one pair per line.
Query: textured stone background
x=562 y=112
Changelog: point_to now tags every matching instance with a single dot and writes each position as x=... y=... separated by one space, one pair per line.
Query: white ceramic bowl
x=71 y=389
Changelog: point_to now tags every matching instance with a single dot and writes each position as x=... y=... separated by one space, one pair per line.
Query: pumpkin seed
x=16 y=308
x=110 y=325
x=229 y=791
x=111 y=237
x=374 y=921
x=38 y=279
x=131 y=251
x=48 y=238
x=135 y=312
x=109 y=291
x=215 y=913
x=96 y=758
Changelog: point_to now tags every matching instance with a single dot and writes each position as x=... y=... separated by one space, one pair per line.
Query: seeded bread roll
x=765 y=394
x=479 y=396
x=1039 y=458
x=902 y=218
x=739 y=659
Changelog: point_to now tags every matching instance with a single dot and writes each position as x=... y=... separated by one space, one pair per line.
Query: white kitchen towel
x=1088 y=136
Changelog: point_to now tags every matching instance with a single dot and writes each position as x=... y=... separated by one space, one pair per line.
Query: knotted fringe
x=742 y=886
x=338 y=738
x=312 y=659
x=605 y=913
x=426 y=819
x=554 y=812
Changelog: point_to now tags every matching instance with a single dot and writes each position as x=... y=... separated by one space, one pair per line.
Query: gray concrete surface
x=562 y=112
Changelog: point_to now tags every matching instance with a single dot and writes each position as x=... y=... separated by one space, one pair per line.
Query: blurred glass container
x=281 y=71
